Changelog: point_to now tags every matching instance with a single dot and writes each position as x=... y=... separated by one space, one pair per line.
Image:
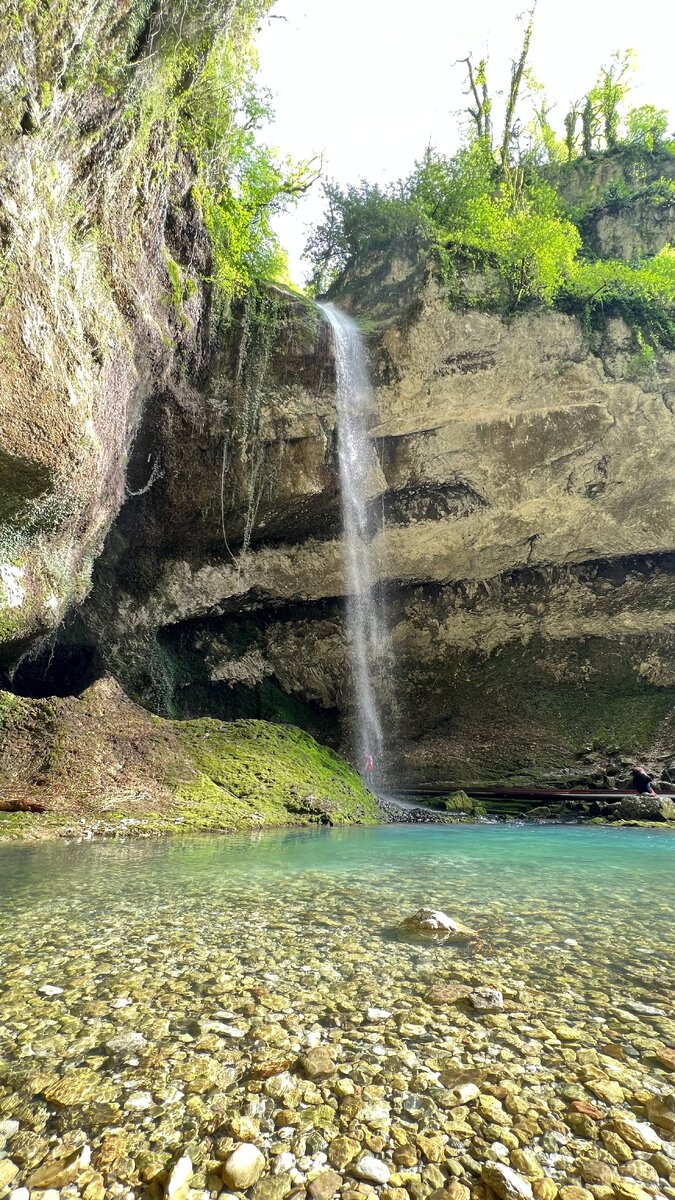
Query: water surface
x=225 y=952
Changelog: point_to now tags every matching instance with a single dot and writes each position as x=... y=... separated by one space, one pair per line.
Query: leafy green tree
x=442 y=188
x=210 y=107
x=647 y=127
x=522 y=229
x=495 y=206
x=590 y=124
x=571 y=135
x=360 y=221
x=614 y=84
x=518 y=67
x=480 y=112
x=547 y=147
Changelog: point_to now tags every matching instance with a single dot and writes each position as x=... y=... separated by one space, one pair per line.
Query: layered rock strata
x=524 y=482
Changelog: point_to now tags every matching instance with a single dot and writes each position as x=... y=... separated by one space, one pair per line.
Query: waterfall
x=365 y=629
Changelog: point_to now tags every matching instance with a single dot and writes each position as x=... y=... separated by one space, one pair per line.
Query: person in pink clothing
x=368 y=767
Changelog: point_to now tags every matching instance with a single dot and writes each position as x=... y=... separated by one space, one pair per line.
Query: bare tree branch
x=517 y=72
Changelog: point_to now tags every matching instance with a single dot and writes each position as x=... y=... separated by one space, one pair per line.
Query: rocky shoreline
x=578 y=811
x=391 y=813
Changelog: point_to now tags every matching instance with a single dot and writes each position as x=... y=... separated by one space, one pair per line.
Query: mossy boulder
x=646 y=808
x=101 y=761
x=459 y=802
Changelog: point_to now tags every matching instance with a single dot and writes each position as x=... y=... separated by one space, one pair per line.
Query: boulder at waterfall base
x=100 y=763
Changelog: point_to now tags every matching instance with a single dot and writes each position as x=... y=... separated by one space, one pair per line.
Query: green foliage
x=252 y=772
x=643 y=364
x=182 y=285
x=363 y=220
x=458 y=204
x=647 y=127
x=360 y=221
x=610 y=91
x=643 y=294
x=208 y=105
x=522 y=230
x=500 y=213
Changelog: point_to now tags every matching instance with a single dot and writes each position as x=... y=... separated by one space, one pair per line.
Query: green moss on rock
x=101 y=759
x=459 y=802
x=252 y=772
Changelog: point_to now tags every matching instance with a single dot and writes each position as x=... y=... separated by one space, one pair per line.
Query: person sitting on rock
x=642 y=782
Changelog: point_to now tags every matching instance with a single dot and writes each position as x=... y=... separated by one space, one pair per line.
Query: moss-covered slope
x=99 y=760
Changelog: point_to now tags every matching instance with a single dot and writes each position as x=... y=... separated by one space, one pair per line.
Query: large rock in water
x=432 y=921
x=646 y=808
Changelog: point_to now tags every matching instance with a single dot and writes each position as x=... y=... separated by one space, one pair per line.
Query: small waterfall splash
x=365 y=629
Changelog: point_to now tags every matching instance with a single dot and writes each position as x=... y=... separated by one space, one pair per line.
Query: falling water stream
x=365 y=628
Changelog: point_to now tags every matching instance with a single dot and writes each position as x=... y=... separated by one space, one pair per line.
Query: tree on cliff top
x=481 y=112
x=496 y=205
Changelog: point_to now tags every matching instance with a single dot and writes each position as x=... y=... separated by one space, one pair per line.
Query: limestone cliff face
x=522 y=473
x=95 y=202
x=525 y=484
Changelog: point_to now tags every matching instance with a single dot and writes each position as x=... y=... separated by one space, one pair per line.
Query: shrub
x=647 y=127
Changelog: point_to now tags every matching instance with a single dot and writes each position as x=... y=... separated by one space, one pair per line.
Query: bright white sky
x=369 y=83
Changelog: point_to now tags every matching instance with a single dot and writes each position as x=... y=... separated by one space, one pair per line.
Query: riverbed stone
x=663 y=1165
x=526 y=1162
x=179 y=1179
x=455 y=1190
x=642 y=1171
x=54 y=1174
x=619 y=1149
x=462 y=1094
x=446 y=994
x=665 y=1057
x=325 y=1185
x=487 y=999
x=341 y=1151
x=586 y=1109
x=573 y=1192
x=8 y=1172
x=431 y=920
x=625 y=1189
x=660 y=1110
x=75 y=1087
x=594 y=1171
x=371 y=1169
x=544 y=1189
x=637 y=1134
x=505 y=1182
x=607 y=1090
x=243 y=1167
x=318 y=1063
x=126 y=1045
x=273 y=1187
x=432 y=1147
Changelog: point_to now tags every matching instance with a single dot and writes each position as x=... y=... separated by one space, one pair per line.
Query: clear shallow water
x=222 y=952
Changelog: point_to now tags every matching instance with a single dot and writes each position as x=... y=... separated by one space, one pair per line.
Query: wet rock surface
x=227 y=1018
